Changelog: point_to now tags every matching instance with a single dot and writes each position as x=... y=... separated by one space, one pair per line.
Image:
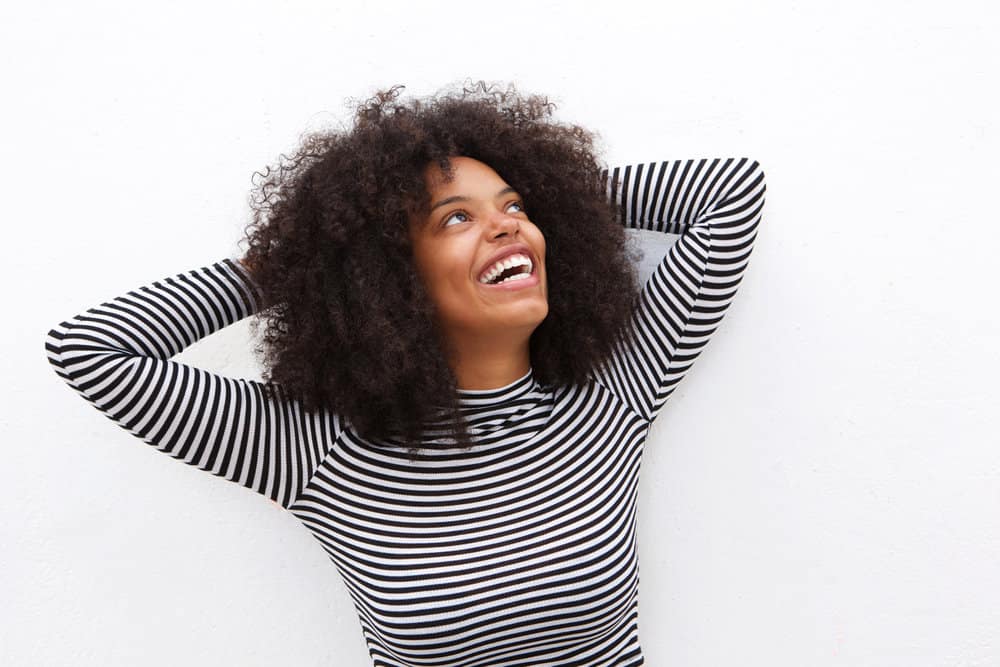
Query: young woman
x=461 y=367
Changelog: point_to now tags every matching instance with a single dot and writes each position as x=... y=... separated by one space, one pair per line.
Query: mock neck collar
x=478 y=399
x=491 y=411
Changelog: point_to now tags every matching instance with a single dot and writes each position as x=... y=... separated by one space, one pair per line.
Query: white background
x=823 y=489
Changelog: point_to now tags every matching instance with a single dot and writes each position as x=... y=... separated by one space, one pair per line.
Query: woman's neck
x=491 y=364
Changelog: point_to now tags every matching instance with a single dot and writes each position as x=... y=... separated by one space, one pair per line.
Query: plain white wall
x=823 y=489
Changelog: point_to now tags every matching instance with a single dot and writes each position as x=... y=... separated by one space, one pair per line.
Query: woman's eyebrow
x=456 y=198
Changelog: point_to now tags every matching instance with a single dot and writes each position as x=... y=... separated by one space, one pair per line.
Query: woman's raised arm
x=715 y=205
x=116 y=355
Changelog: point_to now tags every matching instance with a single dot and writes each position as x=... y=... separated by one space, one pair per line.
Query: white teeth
x=507 y=263
x=516 y=276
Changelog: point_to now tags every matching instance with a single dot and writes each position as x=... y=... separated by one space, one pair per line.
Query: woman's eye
x=454 y=215
x=464 y=216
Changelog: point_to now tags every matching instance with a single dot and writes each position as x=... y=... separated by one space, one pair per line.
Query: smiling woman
x=463 y=443
x=364 y=245
x=480 y=228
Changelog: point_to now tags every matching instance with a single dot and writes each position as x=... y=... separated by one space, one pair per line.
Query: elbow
x=53 y=347
x=757 y=177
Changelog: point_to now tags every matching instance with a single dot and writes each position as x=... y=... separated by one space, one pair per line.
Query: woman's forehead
x=463 y=171
x=467 y=176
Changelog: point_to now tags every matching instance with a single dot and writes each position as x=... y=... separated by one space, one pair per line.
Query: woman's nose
x=503 y=223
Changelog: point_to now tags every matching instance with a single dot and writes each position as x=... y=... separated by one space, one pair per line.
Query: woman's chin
x=531 y=316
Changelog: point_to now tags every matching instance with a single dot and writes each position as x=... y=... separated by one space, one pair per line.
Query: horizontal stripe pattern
x=518 y=551
x=116 y=356
x=715 y=205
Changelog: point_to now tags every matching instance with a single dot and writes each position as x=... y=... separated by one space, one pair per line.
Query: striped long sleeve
x=116 y=355
x=715 y=205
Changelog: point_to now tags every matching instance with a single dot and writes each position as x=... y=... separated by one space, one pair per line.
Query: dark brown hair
x=348 y=324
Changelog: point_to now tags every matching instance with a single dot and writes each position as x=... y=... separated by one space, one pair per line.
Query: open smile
x=515 y=282
x=513 y=263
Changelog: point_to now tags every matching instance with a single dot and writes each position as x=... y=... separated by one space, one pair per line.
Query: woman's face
x=474 y=220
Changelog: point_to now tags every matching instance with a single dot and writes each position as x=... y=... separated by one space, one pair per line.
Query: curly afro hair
x=348 y=324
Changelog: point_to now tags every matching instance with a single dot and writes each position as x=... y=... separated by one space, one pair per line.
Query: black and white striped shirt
x=519 y=551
